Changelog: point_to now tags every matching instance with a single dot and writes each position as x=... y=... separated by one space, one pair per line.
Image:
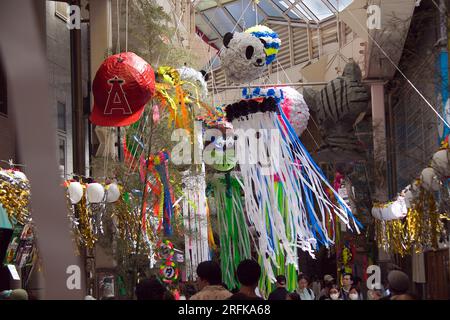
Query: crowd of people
x=210 y=286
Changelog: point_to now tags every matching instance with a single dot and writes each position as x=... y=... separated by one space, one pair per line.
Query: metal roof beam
x=292 y=6
x=330 y=6
x=275 y=6
x=228 y=14
x=305 y=7
x=205 y=18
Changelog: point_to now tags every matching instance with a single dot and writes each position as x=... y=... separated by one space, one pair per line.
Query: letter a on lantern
x=117 y=99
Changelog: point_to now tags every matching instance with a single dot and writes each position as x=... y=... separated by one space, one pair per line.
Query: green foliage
x=153 y=36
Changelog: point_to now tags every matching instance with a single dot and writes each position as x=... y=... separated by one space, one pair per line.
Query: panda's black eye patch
x=249 y=52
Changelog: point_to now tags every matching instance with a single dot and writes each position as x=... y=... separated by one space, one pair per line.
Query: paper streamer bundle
x=195 y=222
x=267 y=149
x=233 y=231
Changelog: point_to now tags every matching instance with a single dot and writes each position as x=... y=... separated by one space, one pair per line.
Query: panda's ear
x=205 y=75
x=227 y=38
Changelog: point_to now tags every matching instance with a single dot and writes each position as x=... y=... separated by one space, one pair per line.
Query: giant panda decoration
x=246 y=55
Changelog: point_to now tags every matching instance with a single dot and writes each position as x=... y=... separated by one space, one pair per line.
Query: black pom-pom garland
x=245 y=107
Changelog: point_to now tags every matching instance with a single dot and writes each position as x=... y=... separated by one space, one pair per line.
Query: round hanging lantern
x=19 y=175
x=295 y=109
x=112 y=192
x=75 y=190
x=95 y=192
x=429 y=179
x=441 y=162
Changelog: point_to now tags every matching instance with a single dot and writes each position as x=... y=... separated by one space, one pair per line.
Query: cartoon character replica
x=243 y=58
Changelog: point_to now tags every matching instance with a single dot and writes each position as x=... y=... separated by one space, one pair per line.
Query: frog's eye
x=219 y=143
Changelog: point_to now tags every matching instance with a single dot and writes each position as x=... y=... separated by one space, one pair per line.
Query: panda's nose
x=258 y=61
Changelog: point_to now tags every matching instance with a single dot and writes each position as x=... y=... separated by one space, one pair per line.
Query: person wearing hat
x=280 y=293
x=328 y=280
x=398 y=284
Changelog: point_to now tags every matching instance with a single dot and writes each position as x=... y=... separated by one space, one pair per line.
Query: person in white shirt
x=303 y=290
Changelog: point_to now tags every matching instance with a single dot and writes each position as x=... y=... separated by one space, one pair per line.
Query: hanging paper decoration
x=269 y=39
x=165 y=250
x=112 y=192
x=87 y=205
x=195 y=218
x=269 y=151
x=419 y=230
x=158 y=166
x=337 y=107
x=429 y=179
x=15 y=195
x=291 y=101
x=194 y=83
x=122 y=86
x=75 y=190
x=394 y=210
x=243 y=57
x=171 y=95
x=95 y=192
x=169 y=272
x=233 y=231
x=441 y=161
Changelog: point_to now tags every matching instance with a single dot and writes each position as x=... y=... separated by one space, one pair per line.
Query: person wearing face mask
x=354 y=294
x=332 y=293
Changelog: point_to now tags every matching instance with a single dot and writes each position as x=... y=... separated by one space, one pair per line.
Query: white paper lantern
x=75 y=190
x=112 y=192
x=95 y=192
x=19 y=175
x=429 y=179
x=441 y=162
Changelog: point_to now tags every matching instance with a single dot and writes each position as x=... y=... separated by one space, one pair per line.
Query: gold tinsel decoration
x=15 y=197
x=420 y=230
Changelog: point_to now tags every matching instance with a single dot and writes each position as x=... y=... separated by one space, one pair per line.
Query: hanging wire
x=118 y=27
x=126 y=27
x=400 y=71
x=234 y=28
x=288 y=78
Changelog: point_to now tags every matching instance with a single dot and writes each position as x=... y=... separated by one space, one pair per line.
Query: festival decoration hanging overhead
x=275 y=154
x=122 y=86
x=269 y=39
x=87 y=203
x=234 y=235
x=15 y=195
x=291 y=101
x=337 y=107
x=243 y=58
x=195 y=218
x=194 y=83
